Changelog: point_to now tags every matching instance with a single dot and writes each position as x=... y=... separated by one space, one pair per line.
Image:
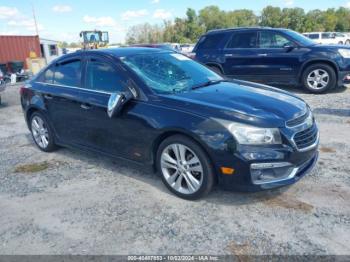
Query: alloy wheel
x=181 y=168
x=40 y=132
x=318 y=79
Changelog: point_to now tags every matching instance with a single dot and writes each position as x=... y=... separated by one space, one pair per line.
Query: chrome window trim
x=75 y=87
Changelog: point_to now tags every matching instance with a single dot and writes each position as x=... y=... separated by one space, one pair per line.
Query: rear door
x=241 y=55
x=60 y=89
x=208 y=50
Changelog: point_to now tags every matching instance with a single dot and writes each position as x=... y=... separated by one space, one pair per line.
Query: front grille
x=298 y=120
x=306 y=138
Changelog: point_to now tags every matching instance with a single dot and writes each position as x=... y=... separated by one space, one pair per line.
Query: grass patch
x=327 y=150
x=32 y=168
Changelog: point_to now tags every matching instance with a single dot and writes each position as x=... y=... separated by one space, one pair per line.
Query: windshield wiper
x=208 y=83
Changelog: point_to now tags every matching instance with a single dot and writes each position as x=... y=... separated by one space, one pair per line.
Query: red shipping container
x=17 y=48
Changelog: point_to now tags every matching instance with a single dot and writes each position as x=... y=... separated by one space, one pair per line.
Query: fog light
x=262 y=173
x=263 y=155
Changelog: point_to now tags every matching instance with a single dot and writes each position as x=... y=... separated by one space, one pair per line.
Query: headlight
x=250 y=135
x=310 y=119
x=344 y=52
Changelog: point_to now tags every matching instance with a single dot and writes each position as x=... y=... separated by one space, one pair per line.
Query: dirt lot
x=72 y=202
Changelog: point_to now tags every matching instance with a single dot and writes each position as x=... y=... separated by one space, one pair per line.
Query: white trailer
x=50 y=49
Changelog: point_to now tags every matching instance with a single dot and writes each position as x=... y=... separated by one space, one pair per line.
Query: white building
x=50 y=49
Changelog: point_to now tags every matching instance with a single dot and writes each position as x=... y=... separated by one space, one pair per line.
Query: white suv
x=343 y=37
x=328 y=38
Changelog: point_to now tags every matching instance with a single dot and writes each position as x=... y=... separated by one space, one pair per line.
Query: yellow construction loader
x=94 y=39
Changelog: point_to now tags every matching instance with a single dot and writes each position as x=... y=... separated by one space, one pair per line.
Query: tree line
x=189 y=28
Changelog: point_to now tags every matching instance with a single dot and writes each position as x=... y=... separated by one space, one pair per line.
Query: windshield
x=169 y=72
x=300 y=38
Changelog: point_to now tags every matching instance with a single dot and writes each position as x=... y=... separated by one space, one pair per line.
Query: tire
x=347 y=42
x=340 y=43
x=321 y=87
x=216 y=69
x=39 y=127
x=178 y=175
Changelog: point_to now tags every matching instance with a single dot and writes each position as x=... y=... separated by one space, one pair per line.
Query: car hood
x=332 y=47
x=240 y=101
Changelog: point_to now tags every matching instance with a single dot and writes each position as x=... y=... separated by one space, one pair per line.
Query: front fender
x=313 y=60
x=213 y=137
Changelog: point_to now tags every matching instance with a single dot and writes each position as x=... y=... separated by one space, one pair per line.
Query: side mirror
x=116 y=102
x=288 y=47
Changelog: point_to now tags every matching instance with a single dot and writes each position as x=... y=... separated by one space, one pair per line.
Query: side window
x=102 y=76
x=53 y=50
x=47 y=75
x=270 y=39
x=328 y=35
x=210 y=41
x=314 y=36
x=68 y=73
x=243 y=40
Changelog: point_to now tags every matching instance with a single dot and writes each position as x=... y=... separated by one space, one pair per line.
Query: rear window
x=68 y=73
x=210 y=41
x=243 y=40
x=47 y=76
x=313 y=36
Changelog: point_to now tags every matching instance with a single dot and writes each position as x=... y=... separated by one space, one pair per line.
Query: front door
x=99 y=131
x=278 y=58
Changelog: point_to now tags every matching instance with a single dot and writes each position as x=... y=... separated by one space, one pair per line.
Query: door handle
x=47 y=96
x=85 y=106
x=262 y=54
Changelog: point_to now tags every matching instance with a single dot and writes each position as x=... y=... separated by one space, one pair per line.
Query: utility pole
x=35 y=23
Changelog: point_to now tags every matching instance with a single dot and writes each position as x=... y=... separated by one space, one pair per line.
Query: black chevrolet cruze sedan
x=161 y=108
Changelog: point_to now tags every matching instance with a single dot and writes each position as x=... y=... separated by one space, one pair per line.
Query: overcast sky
x=63 y=20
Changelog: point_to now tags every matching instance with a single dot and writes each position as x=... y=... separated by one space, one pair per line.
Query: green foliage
x=193 y=25
x=74 y=45
x=63 y=44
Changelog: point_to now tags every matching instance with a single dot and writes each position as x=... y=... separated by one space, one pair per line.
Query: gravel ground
x=72 y=202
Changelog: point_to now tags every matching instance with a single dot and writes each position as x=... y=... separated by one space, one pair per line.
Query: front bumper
x=297 y=173
x=259 y=168
x=344 y=78
x=242 y=179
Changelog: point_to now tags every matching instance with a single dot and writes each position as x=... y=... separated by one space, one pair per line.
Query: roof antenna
x=35 y=22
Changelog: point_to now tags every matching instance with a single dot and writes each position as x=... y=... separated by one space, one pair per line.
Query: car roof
x=214 y=31
x=126 y=51
x=116 y=52
x=328 y=32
